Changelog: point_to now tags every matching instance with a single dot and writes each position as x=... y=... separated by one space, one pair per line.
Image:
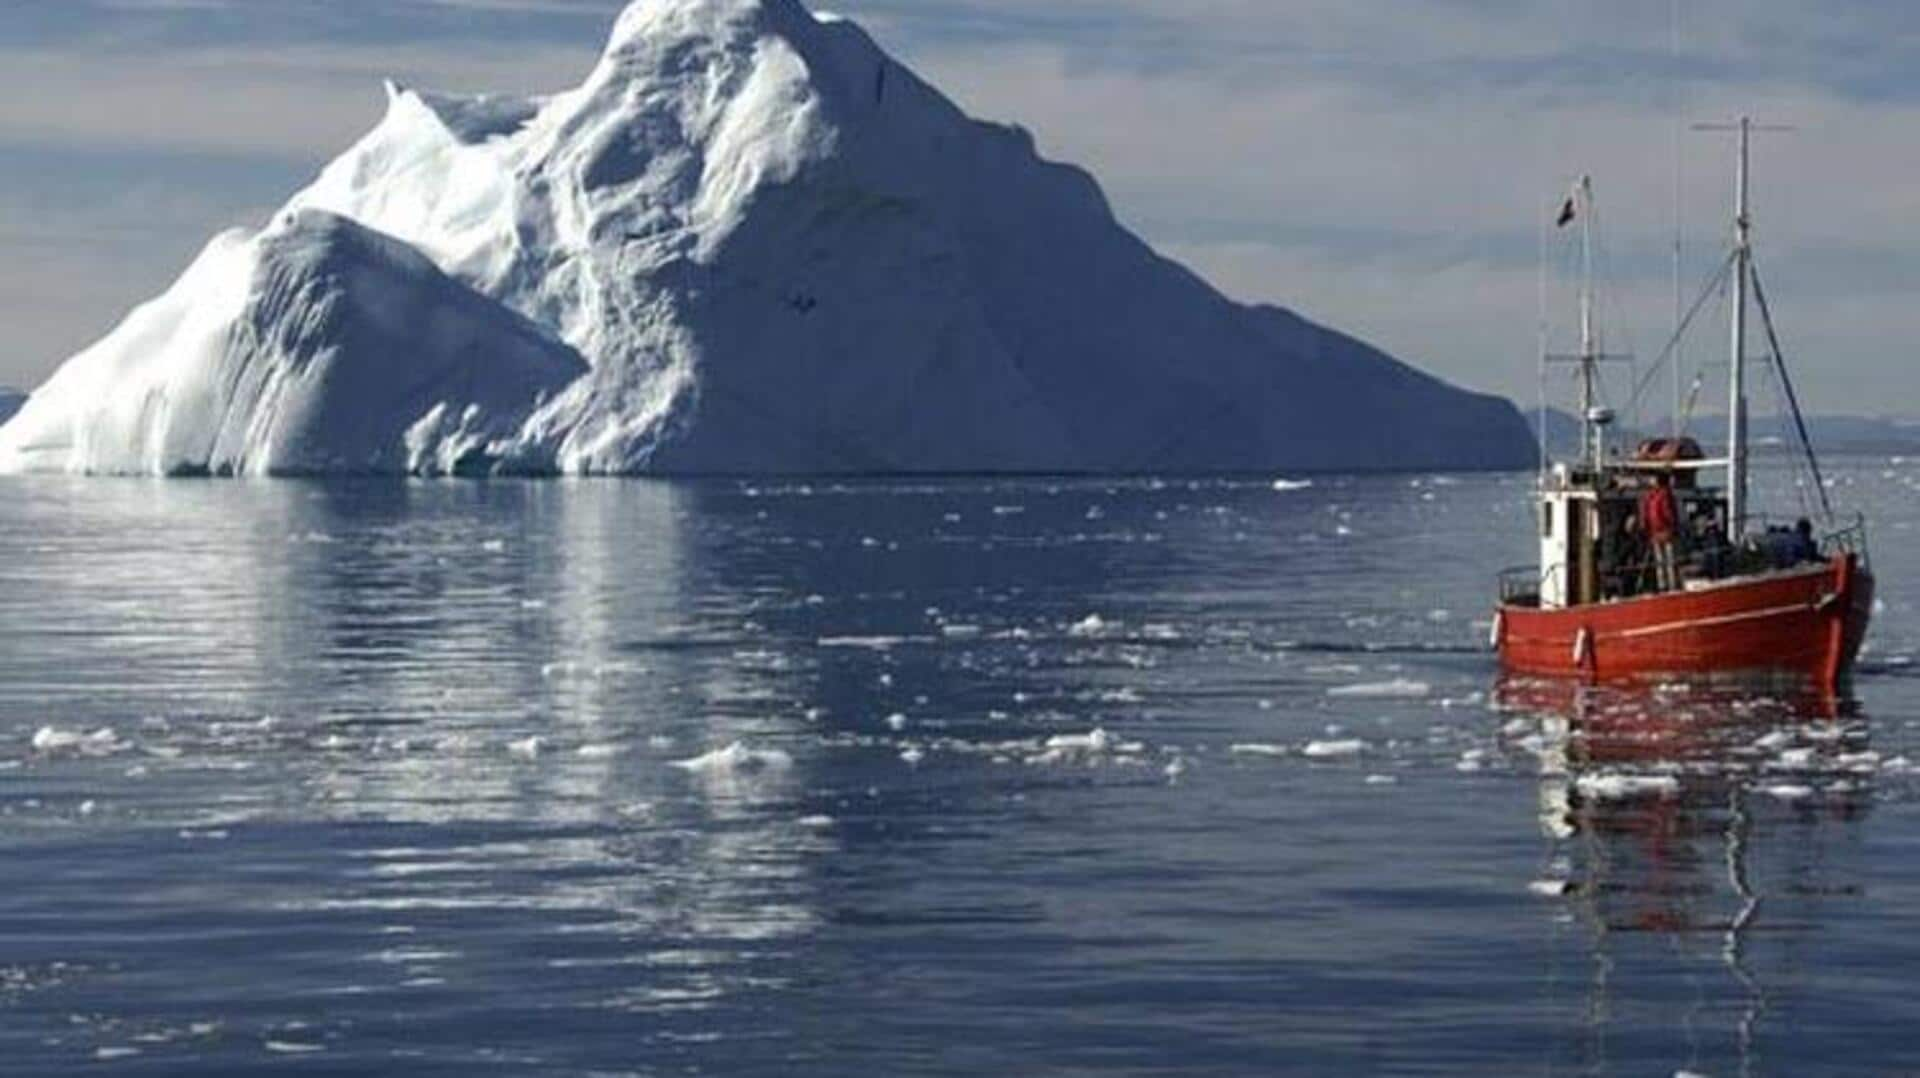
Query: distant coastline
x=1830 y=433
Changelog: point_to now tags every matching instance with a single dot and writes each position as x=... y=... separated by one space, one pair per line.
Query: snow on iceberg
x=779 y=251
x=316 y=345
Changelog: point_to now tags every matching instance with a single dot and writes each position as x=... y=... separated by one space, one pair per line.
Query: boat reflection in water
x=1695 y=835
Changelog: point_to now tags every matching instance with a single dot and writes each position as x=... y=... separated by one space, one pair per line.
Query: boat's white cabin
x=1591 y=548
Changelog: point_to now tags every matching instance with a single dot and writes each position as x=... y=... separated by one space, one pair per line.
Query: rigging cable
x=1712 y=288
x=1793 y=399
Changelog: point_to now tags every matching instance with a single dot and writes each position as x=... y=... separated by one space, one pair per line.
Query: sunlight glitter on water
x=1123 y=774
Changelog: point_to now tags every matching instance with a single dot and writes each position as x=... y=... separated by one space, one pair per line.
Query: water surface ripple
x=966 y=776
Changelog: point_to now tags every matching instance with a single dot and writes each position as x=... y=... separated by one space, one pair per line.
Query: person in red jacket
x=1659 y=517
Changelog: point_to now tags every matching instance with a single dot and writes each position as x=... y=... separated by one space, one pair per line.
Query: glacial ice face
x=780 y=251
x=314 y=346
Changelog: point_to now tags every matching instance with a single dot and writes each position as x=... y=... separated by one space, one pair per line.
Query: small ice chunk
x=1175 y=768
x=1796 y=758
x=913 y=754
x=736 y=758
x=1288 y=486
x=527 y=748
x=52 y=739
x=1096 y=741
x=1787 y=791
x=1550 y=888
x=1090 y=626
x=896 y=722
x=1398 y=689
x=1382 y=780
x=598 y=752
x=1258 y=749
x=1618 y=786
x=1322 y=750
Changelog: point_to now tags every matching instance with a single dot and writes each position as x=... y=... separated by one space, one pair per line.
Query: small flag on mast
x=1569 y=209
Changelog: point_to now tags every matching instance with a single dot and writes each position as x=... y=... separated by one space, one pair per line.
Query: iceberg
x=749 y=242
x=314 y=346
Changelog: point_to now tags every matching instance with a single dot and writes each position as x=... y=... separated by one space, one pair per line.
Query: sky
x=1384 y=166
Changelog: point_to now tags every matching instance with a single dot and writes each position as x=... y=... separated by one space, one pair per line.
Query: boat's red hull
x=1808 y=621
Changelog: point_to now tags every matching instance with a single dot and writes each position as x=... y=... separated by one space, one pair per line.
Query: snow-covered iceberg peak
x=780 y=251
x=317 y=345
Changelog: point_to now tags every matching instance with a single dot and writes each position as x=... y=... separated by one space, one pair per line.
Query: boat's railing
x=1851 y=539
x=1523 y=585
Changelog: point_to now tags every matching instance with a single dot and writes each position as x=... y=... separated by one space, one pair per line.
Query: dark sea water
x=957 y=777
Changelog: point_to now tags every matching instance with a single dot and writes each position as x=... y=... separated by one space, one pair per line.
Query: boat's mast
x=1737 y=390
x=1589 y=348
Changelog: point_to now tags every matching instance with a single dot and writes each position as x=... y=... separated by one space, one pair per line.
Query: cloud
x=1407 y=208
x=303 y=103
x=1382 y=166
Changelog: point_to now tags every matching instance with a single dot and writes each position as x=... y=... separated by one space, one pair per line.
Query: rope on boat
x=1793 y=399
x=1712 y=288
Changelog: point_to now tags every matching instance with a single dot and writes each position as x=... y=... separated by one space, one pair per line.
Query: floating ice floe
x=50 y=740
x=1796 y=758
x=597 y=752
x=527 y=747
x=1097 y=740
x=1258 y=749
x=1550 y=888
x=1287 y=486
x=870 y=643
x=1323 y=750
x=1787 y=791
x=1618 y=786
x=1397 y=689
x=1090 y=626
x=1090 y=747
x=736 y=759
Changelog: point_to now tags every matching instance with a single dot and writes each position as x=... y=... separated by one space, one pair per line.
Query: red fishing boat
x=1627 y=588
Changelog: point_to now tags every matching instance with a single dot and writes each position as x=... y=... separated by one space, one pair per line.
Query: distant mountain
x=771 y=248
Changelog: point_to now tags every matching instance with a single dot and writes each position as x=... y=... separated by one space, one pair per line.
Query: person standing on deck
x=1658 y=518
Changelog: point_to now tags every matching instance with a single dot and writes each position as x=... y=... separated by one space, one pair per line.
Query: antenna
x=1742 y=285
x=1679 y=299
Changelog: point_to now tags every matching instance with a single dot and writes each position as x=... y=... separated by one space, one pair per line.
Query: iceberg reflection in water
x=933 y=777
